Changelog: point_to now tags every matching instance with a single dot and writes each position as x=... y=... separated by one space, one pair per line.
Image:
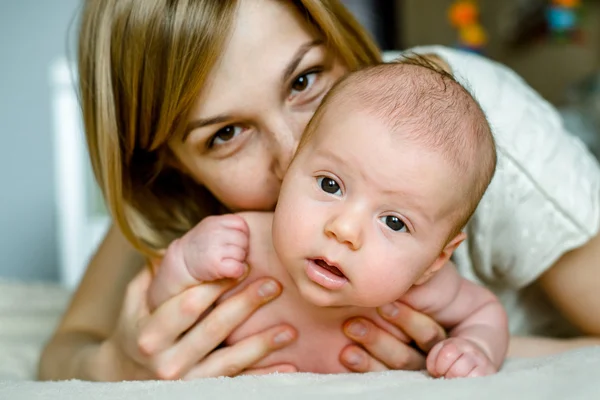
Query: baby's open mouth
x=334 y=270
x=323 y=273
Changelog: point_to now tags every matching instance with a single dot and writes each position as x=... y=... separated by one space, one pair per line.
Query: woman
x=193 y=108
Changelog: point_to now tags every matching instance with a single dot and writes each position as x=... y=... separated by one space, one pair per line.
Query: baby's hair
x=424 y=102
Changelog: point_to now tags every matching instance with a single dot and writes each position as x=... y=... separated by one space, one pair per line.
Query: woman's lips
x=324 y=274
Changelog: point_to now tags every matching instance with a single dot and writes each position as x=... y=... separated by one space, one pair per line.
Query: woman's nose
x=346 y=229
x=284 y=143
x=283 y=158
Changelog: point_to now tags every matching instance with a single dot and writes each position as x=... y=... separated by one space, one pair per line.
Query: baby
x=386 y=175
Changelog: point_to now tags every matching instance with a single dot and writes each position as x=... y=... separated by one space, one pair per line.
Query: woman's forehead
x=266 y=36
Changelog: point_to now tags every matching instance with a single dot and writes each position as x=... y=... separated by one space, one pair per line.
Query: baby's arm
x=215 y=251
x=477 y=321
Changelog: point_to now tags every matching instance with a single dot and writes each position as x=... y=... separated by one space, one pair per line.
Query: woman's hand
x=378 y=350
x=171 y=344
x=108 y=333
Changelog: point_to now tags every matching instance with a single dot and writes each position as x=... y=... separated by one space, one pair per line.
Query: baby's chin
x=324 y=298
x=318 y=296
x=321 y=297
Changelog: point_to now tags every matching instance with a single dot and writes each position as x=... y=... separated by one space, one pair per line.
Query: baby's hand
x=458 y=358
x=214 y=249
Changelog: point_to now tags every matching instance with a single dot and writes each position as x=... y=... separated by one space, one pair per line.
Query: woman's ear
x=442 y=258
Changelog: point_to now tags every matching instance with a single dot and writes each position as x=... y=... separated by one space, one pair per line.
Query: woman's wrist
x=98 y=362
x=71 y=356
x=536 y=346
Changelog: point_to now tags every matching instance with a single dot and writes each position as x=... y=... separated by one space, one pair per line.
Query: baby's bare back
x=320 y=338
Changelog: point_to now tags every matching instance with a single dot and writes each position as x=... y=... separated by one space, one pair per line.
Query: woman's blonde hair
x=141 y=65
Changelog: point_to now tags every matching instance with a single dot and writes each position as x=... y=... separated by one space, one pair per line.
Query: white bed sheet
x=29 y=312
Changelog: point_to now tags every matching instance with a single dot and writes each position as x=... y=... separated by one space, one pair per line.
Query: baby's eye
x=303 y=82
x=224 y=135
x=329 y=185
x=394 y=223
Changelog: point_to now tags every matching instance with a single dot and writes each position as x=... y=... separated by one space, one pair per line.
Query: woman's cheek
x=248 y=187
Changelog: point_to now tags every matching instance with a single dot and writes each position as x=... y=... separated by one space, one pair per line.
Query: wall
x=547 y=66
x=33 y=33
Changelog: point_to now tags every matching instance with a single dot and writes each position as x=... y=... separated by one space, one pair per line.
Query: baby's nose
x=346 y=230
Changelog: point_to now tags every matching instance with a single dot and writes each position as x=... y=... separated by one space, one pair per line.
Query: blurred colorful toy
x=464 y=16
x=563 y=17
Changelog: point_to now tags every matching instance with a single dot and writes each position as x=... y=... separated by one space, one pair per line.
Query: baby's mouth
x=325 y=274
x=331 y=268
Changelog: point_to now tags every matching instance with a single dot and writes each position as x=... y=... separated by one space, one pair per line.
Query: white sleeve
x=544 y=198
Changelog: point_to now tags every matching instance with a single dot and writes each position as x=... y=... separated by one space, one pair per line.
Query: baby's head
x=388 y=172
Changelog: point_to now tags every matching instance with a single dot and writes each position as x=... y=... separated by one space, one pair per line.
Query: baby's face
x=363 y=213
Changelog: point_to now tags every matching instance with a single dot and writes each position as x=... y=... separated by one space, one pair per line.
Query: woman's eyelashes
x=304 y=83
x=224 y=135
x=329 y=185
x=394 y=223
x=301 y=86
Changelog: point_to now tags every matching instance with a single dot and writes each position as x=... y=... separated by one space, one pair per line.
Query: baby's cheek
x=370 y=290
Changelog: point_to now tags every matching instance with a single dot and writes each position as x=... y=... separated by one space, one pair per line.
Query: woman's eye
x=303 y=82
x=329 y=185
x=394 y=223
x=224 y=135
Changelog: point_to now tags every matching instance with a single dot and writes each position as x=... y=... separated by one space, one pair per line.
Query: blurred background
x=51 y=216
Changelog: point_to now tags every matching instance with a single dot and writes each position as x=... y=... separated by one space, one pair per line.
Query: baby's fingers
x=460 y=368
x=482 y=370
x=233 y=221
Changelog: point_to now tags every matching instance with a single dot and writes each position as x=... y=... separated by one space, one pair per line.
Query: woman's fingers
x=206 y=335
x=382 y=346
x=357 y=359
x=162 y=329
x=423 y=330
x=233 y=360
x=134 y=302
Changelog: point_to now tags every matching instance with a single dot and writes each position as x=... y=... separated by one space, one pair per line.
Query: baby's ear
x=442 y=258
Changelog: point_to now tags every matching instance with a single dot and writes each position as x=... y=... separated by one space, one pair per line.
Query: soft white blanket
x=28 y=314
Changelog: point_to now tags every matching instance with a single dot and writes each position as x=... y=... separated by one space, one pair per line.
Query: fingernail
x=353 y=358
x=283 y=337
x=357 y=329
x=268 y=289
x=244 y=275
x=389 y=310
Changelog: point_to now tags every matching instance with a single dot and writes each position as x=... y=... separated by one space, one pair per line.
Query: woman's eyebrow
x=293 y=64
x=289 y=70
x=199 y=123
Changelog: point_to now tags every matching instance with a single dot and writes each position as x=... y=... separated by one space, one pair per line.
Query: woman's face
x=246 y=124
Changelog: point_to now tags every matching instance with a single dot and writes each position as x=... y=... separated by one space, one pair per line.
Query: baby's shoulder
x=439 y=289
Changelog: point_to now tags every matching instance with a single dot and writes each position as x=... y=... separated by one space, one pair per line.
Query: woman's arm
x=109 y=334
x=92 y=314
x=573 y=285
